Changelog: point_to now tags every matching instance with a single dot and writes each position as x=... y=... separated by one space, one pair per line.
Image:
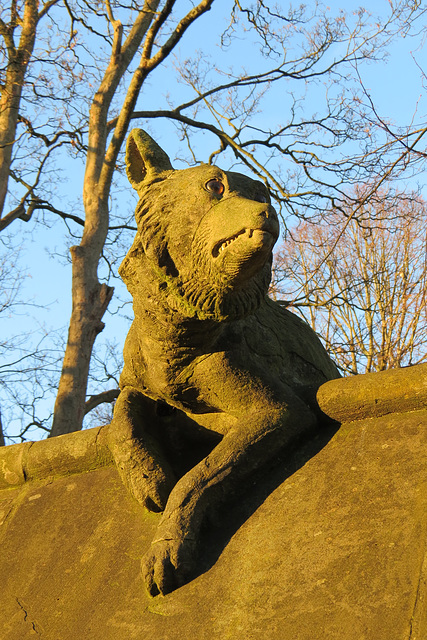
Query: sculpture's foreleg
x=140 y=462
x=255 y=442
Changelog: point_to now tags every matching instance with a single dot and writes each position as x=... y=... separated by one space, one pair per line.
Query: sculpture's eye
x=215 y=186
x=261 y=197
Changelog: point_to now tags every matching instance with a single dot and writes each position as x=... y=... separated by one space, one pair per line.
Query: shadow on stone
x=226 y=521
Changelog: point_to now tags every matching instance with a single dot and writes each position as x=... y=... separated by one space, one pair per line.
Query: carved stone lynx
x=217 y=378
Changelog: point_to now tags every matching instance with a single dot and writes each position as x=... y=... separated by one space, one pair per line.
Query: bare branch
x=105 y=396
x=368 y=300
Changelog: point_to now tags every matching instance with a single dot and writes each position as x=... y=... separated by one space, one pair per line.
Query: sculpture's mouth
x=259 y=237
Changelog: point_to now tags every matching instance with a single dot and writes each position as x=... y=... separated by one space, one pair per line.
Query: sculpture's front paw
x=168 y=565
x=151 y=490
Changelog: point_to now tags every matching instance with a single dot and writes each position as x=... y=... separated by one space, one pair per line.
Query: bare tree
x=34 y=56
x=327 y=140
x=83 y=89
x=362 y=284
x=18 y=56
x=90 y=297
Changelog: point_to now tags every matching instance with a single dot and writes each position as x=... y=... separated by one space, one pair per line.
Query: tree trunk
x=90 y=301
x=12 y=90
x=90 y=298
x=2 y=442
x=9 y=104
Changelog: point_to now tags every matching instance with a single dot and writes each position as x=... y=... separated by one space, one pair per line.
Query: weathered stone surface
x=64 y=455
x=329 y=544
x=209 y=357
x=375 y=394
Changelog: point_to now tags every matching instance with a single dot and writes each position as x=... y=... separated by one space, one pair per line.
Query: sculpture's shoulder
x=288 y=345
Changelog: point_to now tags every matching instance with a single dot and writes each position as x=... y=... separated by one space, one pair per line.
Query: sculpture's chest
x=276 y=347
x=271 y=347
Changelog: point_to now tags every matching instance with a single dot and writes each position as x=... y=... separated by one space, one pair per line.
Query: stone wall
x=329 y=545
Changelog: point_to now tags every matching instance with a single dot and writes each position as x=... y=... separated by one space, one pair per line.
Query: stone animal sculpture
x=217 y=377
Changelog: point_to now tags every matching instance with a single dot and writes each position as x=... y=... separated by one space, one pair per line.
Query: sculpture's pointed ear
x=144 y=158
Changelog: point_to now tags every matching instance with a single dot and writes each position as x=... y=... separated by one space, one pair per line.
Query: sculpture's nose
x=269 y=220
x=269 y=212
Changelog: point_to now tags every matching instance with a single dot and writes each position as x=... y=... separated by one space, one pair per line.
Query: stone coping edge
x=71 y=453
x=372 y=395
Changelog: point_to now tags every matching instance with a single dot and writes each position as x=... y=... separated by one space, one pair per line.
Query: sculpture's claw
x=151 y=491
x=167 y=565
